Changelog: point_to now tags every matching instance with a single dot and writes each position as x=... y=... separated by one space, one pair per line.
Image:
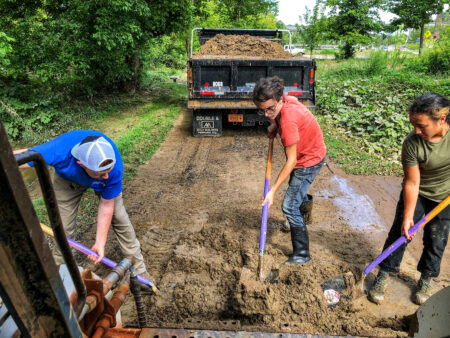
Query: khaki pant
x=68 y=196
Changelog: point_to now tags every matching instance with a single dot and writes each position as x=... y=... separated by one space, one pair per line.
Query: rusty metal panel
x=122 y=333
x=179 y=333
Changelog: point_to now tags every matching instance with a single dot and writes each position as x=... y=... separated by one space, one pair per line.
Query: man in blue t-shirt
x=89 y=159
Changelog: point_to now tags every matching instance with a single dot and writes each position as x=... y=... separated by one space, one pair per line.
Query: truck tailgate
x=230 y=79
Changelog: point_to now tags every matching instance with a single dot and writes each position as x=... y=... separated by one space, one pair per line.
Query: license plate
x=235 y=118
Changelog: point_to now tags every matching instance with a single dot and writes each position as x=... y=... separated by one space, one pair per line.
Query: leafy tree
x=353 y=22
x=280 y=24
x=90 y=45
x=414 y=14
x=240 y=9
x=232 y=14
x=314 y=26
x=5 y=48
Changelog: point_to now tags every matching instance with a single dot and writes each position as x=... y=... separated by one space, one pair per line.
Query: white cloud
x=290 y=10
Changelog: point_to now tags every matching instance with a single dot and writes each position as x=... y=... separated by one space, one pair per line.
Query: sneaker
x=376 y=293
x=424 y=291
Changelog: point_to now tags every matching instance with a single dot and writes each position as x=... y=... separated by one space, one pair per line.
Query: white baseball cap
x=93 y=151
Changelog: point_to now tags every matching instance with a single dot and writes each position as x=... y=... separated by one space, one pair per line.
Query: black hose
x=135 y=288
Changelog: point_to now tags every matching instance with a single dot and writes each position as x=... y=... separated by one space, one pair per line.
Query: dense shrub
x=369 y=98
x=436 y=60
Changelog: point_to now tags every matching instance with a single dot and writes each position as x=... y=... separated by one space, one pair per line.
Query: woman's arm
x=410 y=195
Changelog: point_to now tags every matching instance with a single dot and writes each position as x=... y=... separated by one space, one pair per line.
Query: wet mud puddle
x=357 y=209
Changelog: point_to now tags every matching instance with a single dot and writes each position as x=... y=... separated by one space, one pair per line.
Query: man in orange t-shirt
x=305 y=154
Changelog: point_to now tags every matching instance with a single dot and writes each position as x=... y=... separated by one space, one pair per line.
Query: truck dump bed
x=221 y=85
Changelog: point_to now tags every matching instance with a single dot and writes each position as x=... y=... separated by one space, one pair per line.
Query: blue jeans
x=299 y=182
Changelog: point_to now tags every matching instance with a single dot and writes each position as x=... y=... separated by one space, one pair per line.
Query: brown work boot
x=376 y=293
x=424 y=291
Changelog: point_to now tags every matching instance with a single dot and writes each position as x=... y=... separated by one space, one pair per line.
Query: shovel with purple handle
x=394 y=246
x=265 y=210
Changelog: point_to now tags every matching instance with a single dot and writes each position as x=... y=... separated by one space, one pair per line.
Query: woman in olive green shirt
x=426 y=183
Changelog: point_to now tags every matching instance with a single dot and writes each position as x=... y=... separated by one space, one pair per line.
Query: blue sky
x=290 y=10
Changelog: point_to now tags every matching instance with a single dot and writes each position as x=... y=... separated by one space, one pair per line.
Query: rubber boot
x=300 y=245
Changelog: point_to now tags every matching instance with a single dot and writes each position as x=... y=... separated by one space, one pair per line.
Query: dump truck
x=220 y=86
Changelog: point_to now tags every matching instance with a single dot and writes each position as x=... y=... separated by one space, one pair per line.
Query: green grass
x=139 y=143
x=41 y=210
x=324 y=51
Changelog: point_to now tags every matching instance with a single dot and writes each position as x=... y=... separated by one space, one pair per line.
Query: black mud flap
x=206 y=124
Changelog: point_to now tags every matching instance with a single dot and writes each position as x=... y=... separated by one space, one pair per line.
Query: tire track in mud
x=195 y=164
x=184 y=162
x=161 y=240
x=158 y=245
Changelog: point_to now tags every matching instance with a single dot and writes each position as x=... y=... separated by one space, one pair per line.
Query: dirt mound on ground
x=241 y=46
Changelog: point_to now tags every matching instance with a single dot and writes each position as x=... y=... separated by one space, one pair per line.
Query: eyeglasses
x=269 y=109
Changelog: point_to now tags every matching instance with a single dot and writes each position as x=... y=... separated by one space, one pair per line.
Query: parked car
x=294 y=50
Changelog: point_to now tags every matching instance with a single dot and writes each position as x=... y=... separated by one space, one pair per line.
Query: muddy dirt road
x=196 y=209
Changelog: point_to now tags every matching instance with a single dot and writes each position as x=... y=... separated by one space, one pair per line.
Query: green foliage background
x=366 y=100
x=58 y=58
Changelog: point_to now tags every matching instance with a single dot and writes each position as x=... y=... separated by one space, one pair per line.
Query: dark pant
x=435 y=236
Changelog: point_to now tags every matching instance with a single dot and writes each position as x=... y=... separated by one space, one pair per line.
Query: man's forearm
x=284 y=174
x=104 y=217
x=289 y=165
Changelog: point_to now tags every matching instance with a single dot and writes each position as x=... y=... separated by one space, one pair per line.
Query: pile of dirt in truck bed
x=241 y=46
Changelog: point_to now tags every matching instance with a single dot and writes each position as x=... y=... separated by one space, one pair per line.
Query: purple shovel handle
x=394 y=246
x=104 y=260
x=265 y=212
